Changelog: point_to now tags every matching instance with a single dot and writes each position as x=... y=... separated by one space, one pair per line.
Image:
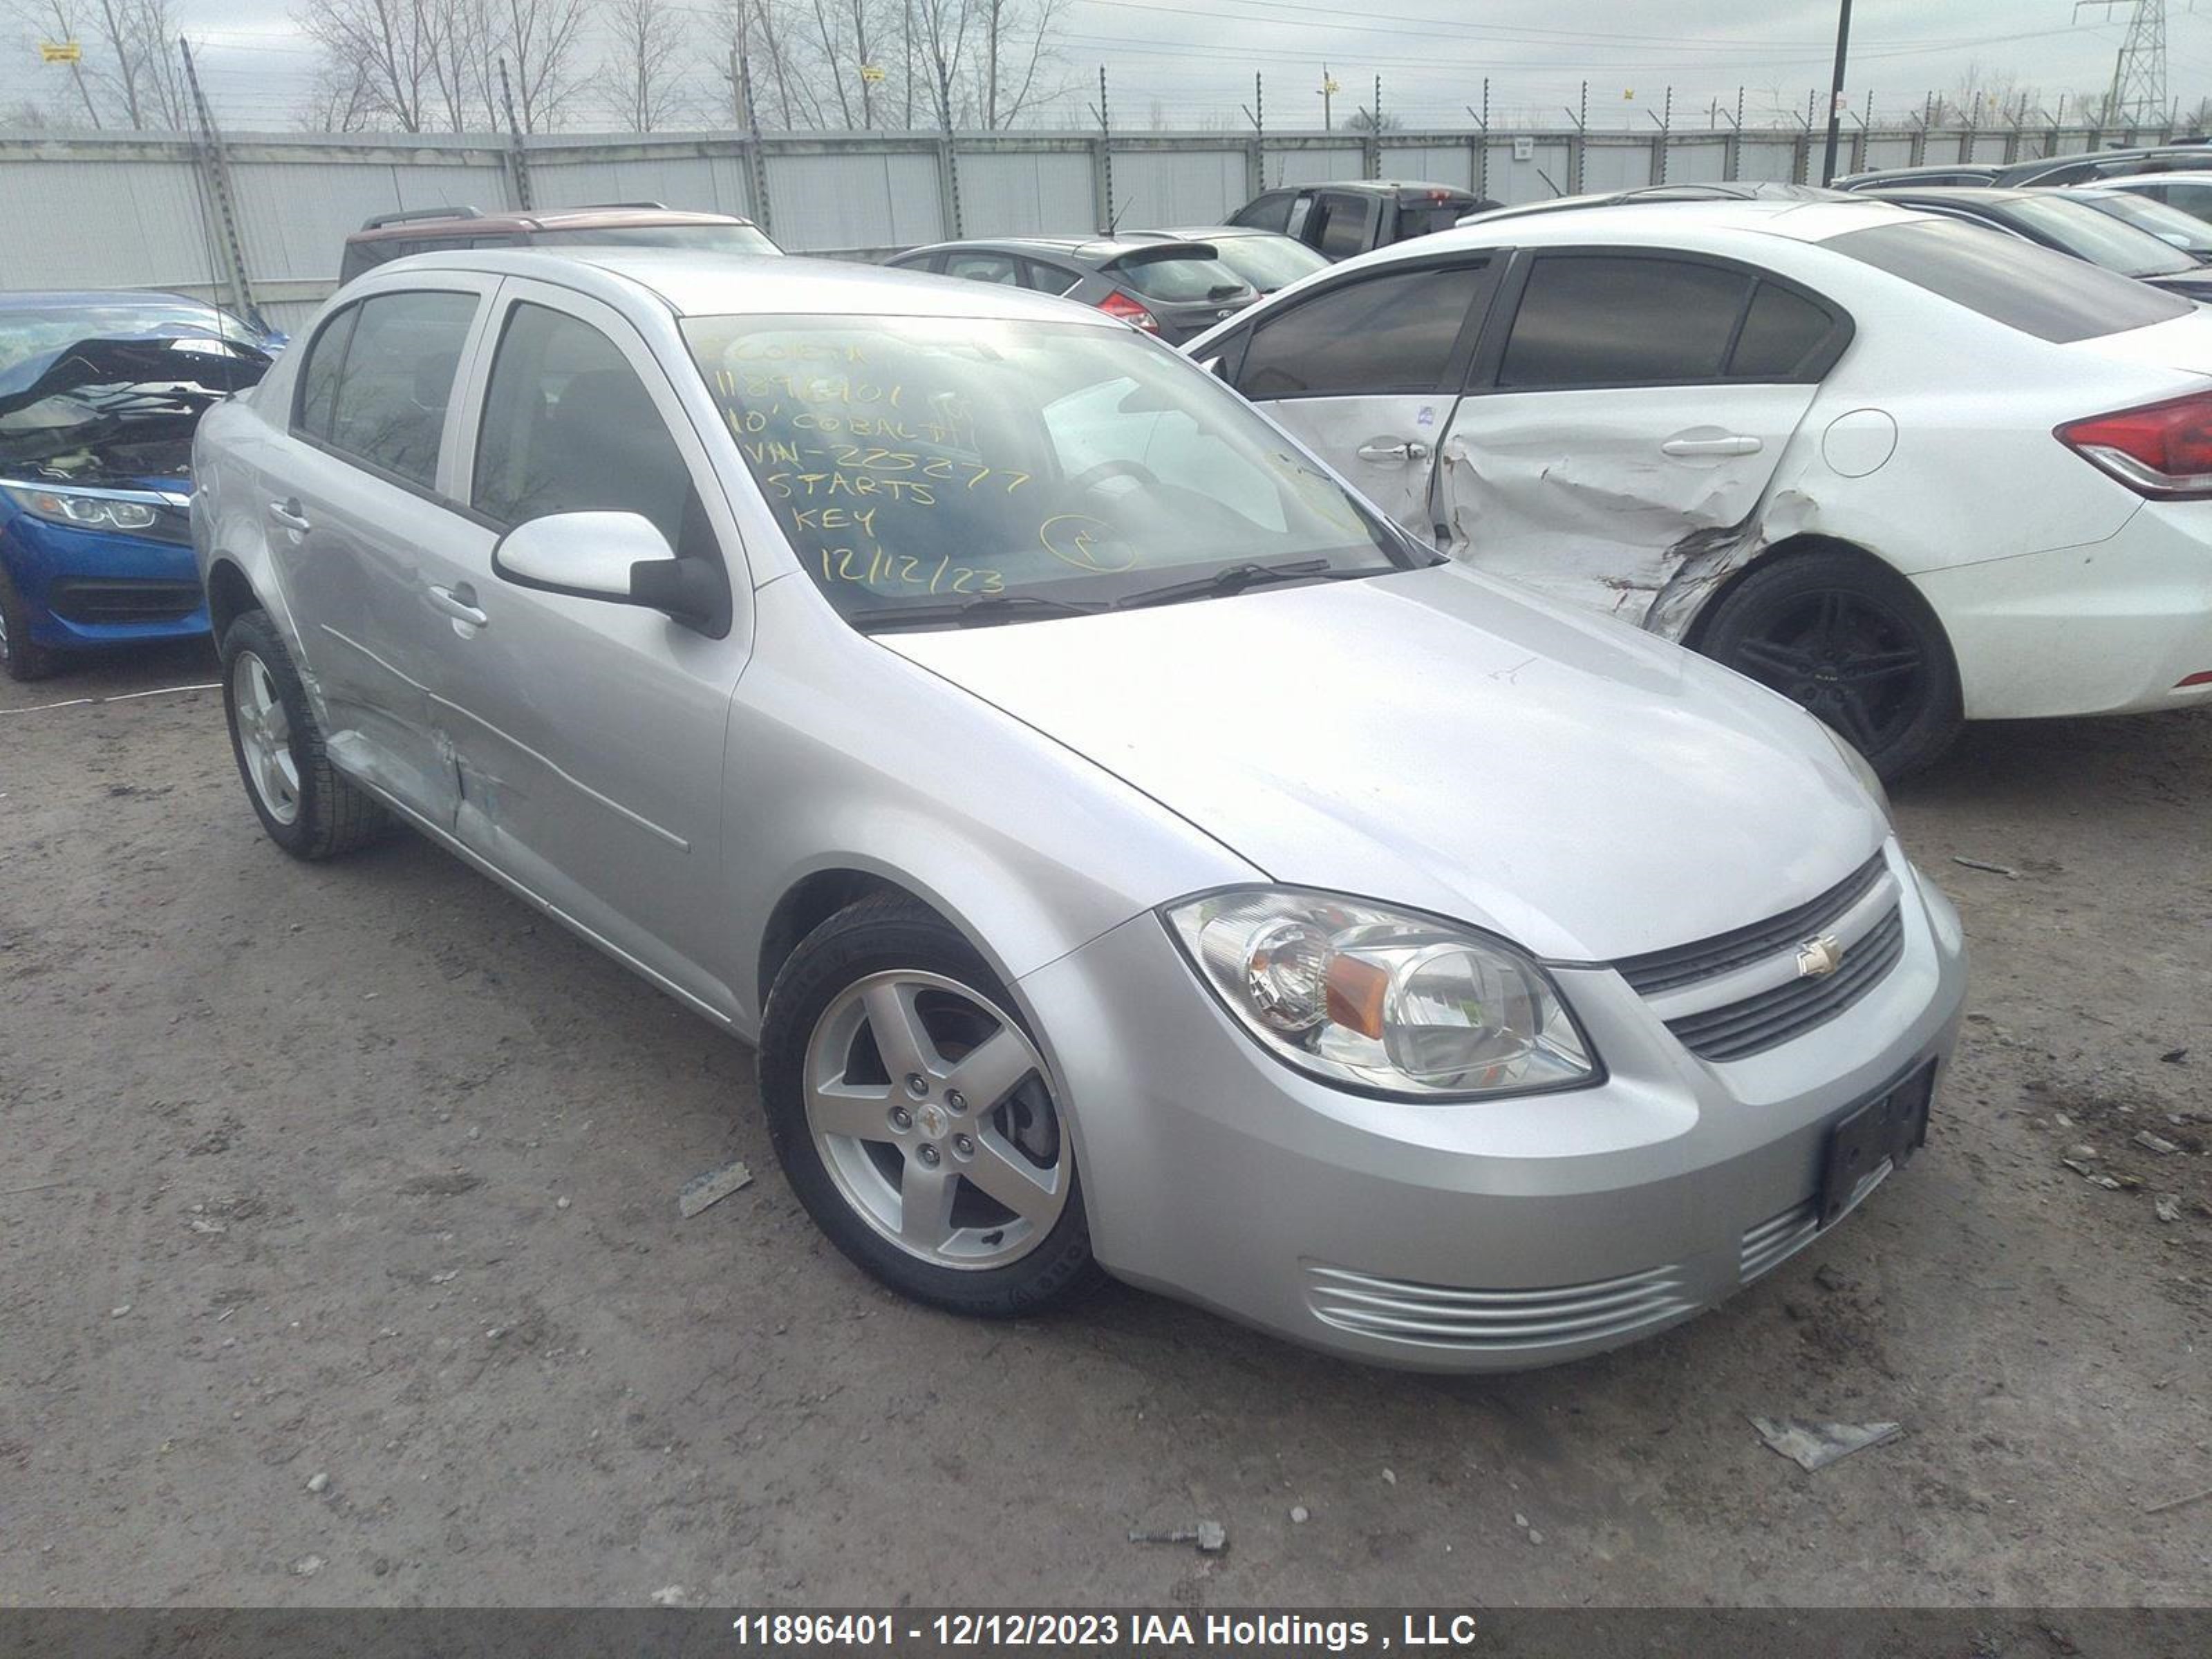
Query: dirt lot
x=363 y=1170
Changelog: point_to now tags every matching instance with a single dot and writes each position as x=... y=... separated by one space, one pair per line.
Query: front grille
x=1771 y=1018
x=1440 y=1315
x=1775 y=1240
x=1686 y=965
x=84 y=599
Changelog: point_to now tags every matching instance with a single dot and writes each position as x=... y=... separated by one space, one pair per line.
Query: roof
x=703 y=284
x=1657 y=223
x=551 y=219
x=66 y=299
x=1092 y=250
x=1965 y=195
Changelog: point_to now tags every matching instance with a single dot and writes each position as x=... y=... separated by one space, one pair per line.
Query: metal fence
x=259 y=220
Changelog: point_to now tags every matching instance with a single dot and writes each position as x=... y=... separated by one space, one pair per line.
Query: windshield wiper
x=964 y=613
x=1236 y=578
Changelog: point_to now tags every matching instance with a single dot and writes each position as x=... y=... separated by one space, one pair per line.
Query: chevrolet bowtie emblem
x=1818 y=958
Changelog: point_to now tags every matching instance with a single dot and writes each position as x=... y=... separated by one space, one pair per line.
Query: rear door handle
x=1382 y=450
x=459 y=603
x=1735 y=444
x=288 y=513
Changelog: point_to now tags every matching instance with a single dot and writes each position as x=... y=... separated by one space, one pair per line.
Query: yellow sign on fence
x=60 y=51
x=869 y=72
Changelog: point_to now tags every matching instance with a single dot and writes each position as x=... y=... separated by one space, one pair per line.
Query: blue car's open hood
x=163 y=358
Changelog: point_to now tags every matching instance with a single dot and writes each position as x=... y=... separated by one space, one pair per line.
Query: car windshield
x=2101 y=240
x=2170 y=225
x=921 y=464
x=1178 y=279
x=1268 y=262
x=710 y=238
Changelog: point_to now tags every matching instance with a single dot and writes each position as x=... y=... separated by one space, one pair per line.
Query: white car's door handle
x=1735 y=444
x=460 y=604
x=287 y=512
x=1382 y=450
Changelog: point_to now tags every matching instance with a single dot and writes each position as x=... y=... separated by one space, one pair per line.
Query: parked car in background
x=1796 y=437
x=2170 y=225
x=1265 y=259
x=2041 y=173
x=1126 y=850
x=2185 y=192
x=606 y=224
x=2061 y=220
x=1927 y=175
x=1351 y=215
x=98 y=394
x=1172 y=289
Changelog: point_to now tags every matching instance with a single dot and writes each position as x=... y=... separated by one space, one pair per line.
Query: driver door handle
x=288 y=513
x=1408 y=449
x=1737 y=443
x=459 y=603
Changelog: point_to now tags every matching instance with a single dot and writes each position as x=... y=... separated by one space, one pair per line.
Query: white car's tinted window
x=914 y=461
x=1391 y=332
x=569 y=427
x=2017 y=283
x=394 y=381
x=1781 y=333
x=1596 y=321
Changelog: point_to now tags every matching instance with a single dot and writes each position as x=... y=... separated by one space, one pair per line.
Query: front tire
x=308 y=806
x=915 y=1118
x=1853 y=642
x=20 y=657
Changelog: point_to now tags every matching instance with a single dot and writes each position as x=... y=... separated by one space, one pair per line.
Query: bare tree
x=130 y=74
x=539 y=39
x=387 y=48
x=985 y=60
x=648 y=48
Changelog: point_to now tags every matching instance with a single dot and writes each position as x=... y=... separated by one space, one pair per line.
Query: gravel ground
x=340 y=1263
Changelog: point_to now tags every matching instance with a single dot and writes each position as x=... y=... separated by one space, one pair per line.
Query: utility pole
x=1836 y=92
x=2138 y=93
x=1328 y=90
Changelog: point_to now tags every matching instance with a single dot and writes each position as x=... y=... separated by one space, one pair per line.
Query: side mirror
x=620 y=558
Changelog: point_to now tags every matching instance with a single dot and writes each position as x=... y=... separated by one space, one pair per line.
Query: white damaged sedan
x=1129 y=852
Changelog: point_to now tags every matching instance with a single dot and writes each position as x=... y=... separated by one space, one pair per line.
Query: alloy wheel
x=264 y=736
x=932 y=1111
x=1847 y=658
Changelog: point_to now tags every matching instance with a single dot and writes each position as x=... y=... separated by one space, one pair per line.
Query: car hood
x=1439 y=740
x=166 y=359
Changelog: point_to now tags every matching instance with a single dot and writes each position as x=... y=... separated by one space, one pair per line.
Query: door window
x=984 y=268
x=1269 y=212
x=1346 y=226
x=568 y=427
x=319 y=380
x=1592 y=320
x=394 y=380
x=1392 y=332
x=1296 y=224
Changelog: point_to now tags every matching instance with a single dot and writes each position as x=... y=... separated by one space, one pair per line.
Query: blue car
x=99 y=395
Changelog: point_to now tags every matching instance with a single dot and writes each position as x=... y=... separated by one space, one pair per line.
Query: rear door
x=353 y=500
x=1366 y=370
x=1627 y=402
x=1345 y=222
x=589 y=735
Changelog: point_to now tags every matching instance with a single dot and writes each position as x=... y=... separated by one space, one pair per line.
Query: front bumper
x=1486 y=1237
x=2112 y=627
x=85 y=588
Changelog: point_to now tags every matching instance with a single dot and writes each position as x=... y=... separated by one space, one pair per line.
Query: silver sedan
x=1129 y=854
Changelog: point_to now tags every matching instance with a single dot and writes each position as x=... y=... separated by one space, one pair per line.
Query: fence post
x=518 y=159
x=1732 y=153
x=215 y=167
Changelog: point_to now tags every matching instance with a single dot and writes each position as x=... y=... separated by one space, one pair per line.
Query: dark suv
x=1348 y=216
x=624 y=224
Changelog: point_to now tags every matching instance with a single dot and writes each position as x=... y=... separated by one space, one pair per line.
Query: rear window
x=1175 y=281
x=2101 y=240
x=2023 y=287
x=1421 y=218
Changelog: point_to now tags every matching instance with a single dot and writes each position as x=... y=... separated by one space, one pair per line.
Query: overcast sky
x=1190 y=62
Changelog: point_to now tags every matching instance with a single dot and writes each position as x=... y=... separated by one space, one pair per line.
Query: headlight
x=1383 y=1001
x=1860 y=769
x=86 y=511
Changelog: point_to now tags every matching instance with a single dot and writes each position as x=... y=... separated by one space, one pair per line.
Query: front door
x=1365 y=372
x=589 y=735
x=350 y=498
x=1635 y=412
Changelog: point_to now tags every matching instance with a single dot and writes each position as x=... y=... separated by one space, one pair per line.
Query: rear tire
x=969 y=1205
x=1851 y=641
x=22 y=657
x=308 y=806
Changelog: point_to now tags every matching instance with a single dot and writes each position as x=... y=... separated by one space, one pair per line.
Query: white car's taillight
x=2160 y=450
